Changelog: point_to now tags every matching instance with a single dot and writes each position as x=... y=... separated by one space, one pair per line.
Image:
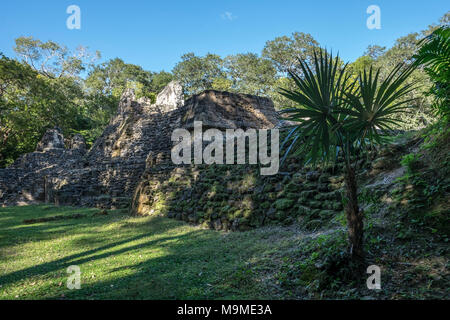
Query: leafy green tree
x=285 y=51
x=402 y=51
x=280 y=101
x=335 y=117
x=14 y=77
x=46 y=88
x=445 y=20
x=250 y=74
x=62 y=71
x=223 y=84
x=361 y=64
x=53 y=60
x=160 y=80
x=31 y=102
x=111 y=78
x=197 y=74
x=375 y=51
x=106 y=83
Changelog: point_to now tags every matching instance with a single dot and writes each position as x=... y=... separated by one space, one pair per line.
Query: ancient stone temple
x=106 y=176
x=25 y=181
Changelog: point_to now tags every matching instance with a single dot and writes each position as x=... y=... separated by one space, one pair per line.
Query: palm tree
x=334 y=115
x=434 y=54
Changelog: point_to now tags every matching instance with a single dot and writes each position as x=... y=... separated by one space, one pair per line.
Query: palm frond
x=318 y=93
x=334 y=114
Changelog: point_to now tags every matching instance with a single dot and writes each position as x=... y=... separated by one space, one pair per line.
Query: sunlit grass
x=124 y=257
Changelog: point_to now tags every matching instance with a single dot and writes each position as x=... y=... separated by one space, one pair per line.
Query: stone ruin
x=139 y=136
x=25 y=181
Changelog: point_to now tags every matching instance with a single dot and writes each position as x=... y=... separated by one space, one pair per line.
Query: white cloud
x=228 y=16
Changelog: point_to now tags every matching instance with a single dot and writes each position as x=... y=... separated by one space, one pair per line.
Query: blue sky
x=154 y=34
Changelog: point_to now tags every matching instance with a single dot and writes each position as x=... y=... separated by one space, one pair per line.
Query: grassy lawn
x=123 y=257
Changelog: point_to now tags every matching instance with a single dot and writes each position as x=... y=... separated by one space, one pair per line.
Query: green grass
x=123 y=257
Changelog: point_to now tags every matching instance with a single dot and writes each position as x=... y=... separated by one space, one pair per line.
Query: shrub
x=411 y=162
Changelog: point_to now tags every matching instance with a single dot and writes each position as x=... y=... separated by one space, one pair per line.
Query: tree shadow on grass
x=16 y=232
x=179 y=262
x=85 y=234
x=80 y=258
x=200 y=265
x=13 y=230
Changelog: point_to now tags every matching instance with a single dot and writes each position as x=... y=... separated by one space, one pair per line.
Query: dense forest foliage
x=48 y=85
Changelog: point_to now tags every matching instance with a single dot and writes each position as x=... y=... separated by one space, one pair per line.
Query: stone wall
x=138 y=136
x=224 y=110
x=237 y=197
x=25 y=181
x=117 y=159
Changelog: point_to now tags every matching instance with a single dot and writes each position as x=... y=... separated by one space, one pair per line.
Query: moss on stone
x=308 y=194
x=283 y=204
x=315 y=204
x=326 y=214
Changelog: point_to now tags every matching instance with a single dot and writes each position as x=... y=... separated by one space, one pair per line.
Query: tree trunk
x=354 y=215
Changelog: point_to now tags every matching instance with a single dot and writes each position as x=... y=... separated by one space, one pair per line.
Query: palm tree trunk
x=354 y=215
